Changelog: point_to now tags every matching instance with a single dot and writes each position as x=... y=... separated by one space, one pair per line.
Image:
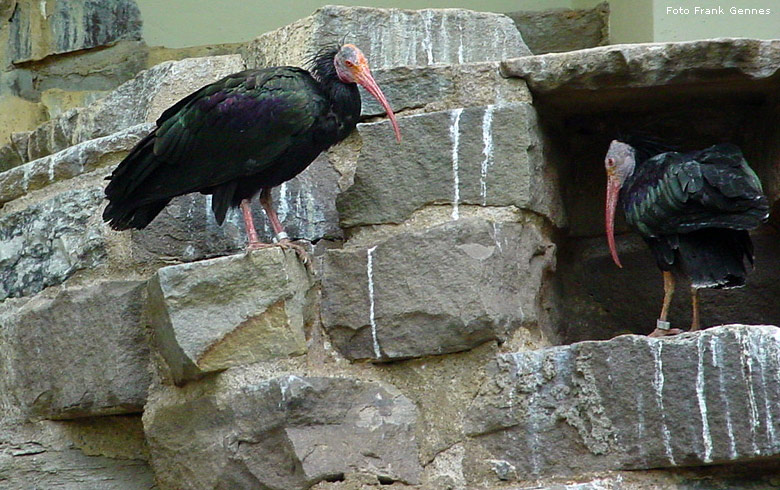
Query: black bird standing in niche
x=693 y=210
x=241 y=135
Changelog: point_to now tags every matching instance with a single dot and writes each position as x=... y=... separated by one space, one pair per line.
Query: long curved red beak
x=613 y=191
x=365 y=79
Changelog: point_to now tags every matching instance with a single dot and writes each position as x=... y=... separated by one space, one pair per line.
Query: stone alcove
x=691 y=94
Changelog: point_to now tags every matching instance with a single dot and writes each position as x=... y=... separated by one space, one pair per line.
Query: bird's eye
x=610 y=162
x=349 y=63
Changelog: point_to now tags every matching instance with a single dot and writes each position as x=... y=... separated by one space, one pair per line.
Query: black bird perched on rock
x=241 y=135
x=694 y=211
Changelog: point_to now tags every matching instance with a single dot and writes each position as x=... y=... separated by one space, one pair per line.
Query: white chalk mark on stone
x=427 y=16
x=487 y=151
x=534 y=436
x=286 y=387
x=747 y=369
x=762 y=355
x=496 y=235
x=460 y=44
x=284 y=206
x=700 y=397
x=455 y=138
x=658 y=383
x=717 y=353
x=26 y=177
x=371 y=310
x=210 y=219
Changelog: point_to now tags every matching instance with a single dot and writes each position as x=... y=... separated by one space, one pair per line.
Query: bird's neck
x=344 y=100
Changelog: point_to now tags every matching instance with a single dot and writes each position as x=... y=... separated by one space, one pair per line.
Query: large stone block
x=488 y=156
x=632 y=402
x=557 y=30
x=439 y=87
x=448 y=288
x=37 y=32
x=287 y=432
x=647 y=65
x=76 y=351
x=393 y=37
x=211 y=315
x=45 y=243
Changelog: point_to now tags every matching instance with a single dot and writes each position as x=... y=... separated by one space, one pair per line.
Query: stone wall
x=429 y=344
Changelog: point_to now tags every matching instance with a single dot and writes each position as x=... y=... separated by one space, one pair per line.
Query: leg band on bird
x=662 y=325
x=281 y=236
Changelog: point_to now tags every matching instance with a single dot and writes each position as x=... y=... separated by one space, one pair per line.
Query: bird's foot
x=284 y=244
x=664 y=329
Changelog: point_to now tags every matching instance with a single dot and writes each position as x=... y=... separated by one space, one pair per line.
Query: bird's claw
x=300 y=250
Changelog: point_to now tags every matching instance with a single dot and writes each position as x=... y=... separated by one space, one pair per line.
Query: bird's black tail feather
x=715 y=257
x=124 y=209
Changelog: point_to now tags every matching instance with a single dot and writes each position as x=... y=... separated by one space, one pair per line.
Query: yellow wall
x=630 y=21
x=179 y=23
x=685 y=25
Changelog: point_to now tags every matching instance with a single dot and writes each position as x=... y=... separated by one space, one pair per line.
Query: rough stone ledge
x=106 y=453
x=744 y=477
x=68 y=163
x=208 y=316
x=648 y=65
x=633 y=402
x=285 y=432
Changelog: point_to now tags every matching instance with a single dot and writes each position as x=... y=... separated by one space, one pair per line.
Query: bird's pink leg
x=253 y=240
x=281 y=237
x=267 y=203
x=668 y=293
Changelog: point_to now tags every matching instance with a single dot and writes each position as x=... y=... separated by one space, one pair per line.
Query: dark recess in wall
x=597 y=300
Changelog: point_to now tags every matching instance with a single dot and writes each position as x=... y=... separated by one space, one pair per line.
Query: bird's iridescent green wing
x=678 y=193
